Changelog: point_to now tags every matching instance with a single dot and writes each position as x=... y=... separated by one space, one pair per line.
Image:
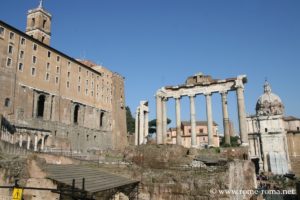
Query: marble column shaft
x=178 y=121
x=146 y=121
x=225 y=117
x=209 y=119
x=35 y=142
x=28 y=141
x=242 y=116
x=193 y=121
x=21 y=140
x=136 y=134
x=142 y=127
x=158 y=120
x=165 y=121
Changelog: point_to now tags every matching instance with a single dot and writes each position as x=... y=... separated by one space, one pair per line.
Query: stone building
x=53 y=100
x=201 y=134
x=272 y=136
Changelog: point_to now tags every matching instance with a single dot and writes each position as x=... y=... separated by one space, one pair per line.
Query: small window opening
x=41 y=106
x=33 y=22
x=7 y=102
x=101 y=119
x=44 y=23
x=76 y=112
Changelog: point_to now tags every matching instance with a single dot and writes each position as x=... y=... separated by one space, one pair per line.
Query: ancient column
x=21 y=140
x=146 y=121
x=193 y=121
x=136 y=134
x=28 y=141
x=209 y=119
x=142 y=126
x=165 y=120
x=242 y=115
x=225 y=117
x=158 y=119
x=35 y=142
x=178 y=120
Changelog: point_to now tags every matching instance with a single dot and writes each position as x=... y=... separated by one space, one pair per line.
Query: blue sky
x=154 y=43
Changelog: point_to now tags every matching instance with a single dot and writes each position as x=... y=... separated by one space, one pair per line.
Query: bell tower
x=39 y=24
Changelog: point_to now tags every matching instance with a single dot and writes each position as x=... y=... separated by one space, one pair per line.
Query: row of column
x=21 y=136
x=161 y=112
x=141 y=123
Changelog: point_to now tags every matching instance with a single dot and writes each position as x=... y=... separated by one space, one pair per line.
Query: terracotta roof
x=290 y=118
x=87 y=63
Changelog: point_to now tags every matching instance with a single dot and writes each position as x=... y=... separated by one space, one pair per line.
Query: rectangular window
x=20 y=67
x=56 y=80
x=86 y=91
x=23 y=41
x=21 y=54
x=8 y=62
x=49 y=54
x=47 y=77
x=57 y=58
x=79 y=79
x=78 y=88
x=92 y=93
x=57 y=70
x=10 y=49
x=69 y=74
x=79 y=69
x=68 y=84
x=48 y=66
x=33 y=71
x=2 y=31
x=33 y=59
x=34 y=47
x=11 y=36
x=87 y=73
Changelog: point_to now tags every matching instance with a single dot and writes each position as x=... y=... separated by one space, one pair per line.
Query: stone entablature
x=202 y=85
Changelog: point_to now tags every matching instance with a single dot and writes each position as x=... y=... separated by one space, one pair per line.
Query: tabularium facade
x=52 y=101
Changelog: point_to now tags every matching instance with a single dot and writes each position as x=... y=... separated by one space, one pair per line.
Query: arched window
x=101 y=119
x=44 y=23
x=43 y=38
x=33 y=22
x=76 y=112
x=7 y=102
x=41 y=106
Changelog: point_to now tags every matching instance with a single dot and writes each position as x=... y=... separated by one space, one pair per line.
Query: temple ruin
x=201 y=84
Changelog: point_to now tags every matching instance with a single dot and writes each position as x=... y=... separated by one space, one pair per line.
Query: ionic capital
x=207 y=93
x=239 y=83
x=177 y=97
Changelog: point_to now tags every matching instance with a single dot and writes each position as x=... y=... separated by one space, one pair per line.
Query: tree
x=152 y=125
x=130 y=121
x=234 y=142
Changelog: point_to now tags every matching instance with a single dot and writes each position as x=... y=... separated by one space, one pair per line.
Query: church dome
x=269 y=103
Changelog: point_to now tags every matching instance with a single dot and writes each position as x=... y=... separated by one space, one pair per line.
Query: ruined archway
x=41 y=106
